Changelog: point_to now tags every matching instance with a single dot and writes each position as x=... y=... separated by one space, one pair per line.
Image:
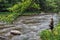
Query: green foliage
x=48 y=35
x=21 y=7
x=58 y=5
x=36 y=6
x=42 y=4
x=51 y=5
x=48 y=5
x=7 y=16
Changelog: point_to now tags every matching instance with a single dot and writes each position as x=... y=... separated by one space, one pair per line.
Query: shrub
x=48 y=35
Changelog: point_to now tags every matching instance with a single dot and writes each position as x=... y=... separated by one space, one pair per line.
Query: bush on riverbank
x=7 y=16
x=48 y=35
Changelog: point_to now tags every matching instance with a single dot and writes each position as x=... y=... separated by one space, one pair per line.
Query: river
x=29 y=26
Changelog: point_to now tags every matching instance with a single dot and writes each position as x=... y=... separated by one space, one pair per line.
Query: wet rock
x=15 y=32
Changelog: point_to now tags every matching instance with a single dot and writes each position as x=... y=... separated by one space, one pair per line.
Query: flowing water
x=30 y=26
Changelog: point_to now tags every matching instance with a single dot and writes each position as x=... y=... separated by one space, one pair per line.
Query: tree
x=58 y=5
x=23 y=6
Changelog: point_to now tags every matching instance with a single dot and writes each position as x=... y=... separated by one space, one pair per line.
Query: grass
x=48 y=35
x=9 y=17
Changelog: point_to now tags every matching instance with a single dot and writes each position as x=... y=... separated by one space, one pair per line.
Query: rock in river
x=15 y=32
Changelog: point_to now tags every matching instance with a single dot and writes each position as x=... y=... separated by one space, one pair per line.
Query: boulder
x=15 y=32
